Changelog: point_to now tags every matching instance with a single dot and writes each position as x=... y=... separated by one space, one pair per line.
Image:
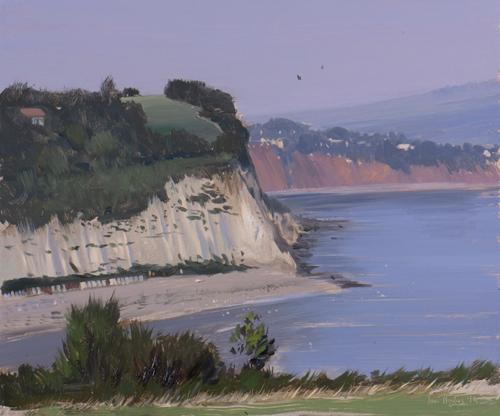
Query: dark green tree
x=130 y=92
x=108 y=89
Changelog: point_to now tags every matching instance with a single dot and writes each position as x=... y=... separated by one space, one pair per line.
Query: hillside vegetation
x=98 y=155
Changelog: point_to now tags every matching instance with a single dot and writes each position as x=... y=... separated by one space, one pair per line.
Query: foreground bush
x=102 y=358
x=94 y=351
x=176 y=359
x=29 y=385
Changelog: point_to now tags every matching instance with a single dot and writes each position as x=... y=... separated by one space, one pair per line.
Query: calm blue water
x=433 y=259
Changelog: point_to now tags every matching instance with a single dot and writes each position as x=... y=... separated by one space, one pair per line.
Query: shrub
x=181 y=143
x=13 y=93
x=177 y=359
x=10 y=390
x=102 y=358
x=103 y=146
x=28 y=180
x=28 y=385
x=130 y=92
x=251 y=338
x=251 y=380
x=77 y=136
x=139 y=347
x=227 y=143
x=53 y=161
x=36 y=381
x=108 y=89
x=199 y=94
x=479 y=370
x=93 y=350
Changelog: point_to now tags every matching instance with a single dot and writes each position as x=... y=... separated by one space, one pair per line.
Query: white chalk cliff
x=241 y=228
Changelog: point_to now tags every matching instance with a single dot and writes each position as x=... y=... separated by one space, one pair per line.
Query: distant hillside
x=287 y=155
x=465 y=113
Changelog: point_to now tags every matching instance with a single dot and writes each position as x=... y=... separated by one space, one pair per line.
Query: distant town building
x=37 y=115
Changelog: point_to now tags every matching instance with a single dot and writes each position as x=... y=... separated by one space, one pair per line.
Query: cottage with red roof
x=37 y=115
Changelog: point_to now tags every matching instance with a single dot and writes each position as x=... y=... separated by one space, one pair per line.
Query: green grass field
x=396 y=404
x=165 y=115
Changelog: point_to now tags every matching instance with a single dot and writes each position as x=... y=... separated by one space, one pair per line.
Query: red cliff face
x=269 y=167
x=317 y=170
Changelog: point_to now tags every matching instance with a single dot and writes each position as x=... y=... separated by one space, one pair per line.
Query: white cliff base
x=232 y=225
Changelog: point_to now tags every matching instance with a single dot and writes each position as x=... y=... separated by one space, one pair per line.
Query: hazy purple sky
x=370 y=49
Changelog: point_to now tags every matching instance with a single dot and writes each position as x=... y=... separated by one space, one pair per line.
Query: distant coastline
x=290 y=155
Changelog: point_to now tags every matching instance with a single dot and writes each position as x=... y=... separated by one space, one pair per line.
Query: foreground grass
x=396 y=404
x=165 y=115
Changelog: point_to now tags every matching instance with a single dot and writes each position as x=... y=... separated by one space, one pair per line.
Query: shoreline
x=160 y=298
x=386 y=188
x=301 y=251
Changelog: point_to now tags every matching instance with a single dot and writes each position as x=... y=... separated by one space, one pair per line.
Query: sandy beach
x=159 y=298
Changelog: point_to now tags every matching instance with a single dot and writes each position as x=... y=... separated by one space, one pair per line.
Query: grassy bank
x=165 y=115
x=109 y=194
x=395 y=404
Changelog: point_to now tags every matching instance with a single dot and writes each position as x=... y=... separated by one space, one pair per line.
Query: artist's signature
x=453 y=401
